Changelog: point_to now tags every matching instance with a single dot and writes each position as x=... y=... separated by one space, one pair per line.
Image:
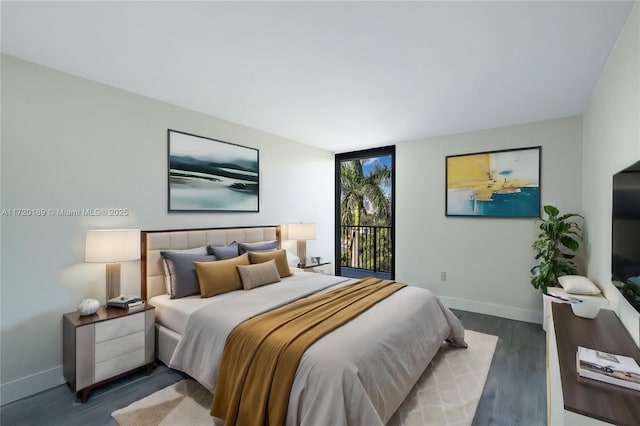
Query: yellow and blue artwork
x=494 y=184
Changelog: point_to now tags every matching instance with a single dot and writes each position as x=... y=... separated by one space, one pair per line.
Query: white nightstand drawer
x=114 y=366
x=106 y=345
x=119 y=346
x=107 y=330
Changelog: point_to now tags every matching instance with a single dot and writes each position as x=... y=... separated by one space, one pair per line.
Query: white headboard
x=153 y=242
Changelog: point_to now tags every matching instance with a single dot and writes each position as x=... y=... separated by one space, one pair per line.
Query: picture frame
x=210 y=175
x=502 y=183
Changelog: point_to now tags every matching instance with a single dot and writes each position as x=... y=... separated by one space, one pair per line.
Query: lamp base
x=113 y=280
x=302 y=251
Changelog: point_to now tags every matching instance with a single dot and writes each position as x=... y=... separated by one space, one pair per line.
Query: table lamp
x=111 y=246
x=302 y=232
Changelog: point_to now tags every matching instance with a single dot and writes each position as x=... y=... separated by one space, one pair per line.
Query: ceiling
x=338 y=75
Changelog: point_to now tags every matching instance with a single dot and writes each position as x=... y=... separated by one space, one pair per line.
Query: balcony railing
x=366 y=248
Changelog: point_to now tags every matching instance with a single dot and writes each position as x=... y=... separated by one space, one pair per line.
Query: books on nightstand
x=614 y=369
x=125 y=302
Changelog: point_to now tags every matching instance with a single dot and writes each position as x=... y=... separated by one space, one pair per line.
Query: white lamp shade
x=302 y=231
x=112 y=245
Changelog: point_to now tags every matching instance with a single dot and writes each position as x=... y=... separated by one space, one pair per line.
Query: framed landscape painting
x=502 y=183
x=211 y=175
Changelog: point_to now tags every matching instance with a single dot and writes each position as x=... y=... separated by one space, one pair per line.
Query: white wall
x=72 y=143
x=611 y=129
x=487 y=260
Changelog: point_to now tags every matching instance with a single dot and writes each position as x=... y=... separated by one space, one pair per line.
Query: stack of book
x=125 y=302
x=614 y=369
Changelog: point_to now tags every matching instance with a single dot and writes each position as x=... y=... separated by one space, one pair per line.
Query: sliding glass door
x=365 y=212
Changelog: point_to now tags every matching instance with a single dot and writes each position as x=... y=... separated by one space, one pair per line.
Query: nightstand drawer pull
x=118 y=365
x=120 y=346
x=108 y=330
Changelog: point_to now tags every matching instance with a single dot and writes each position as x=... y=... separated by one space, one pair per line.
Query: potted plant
x=555 y=248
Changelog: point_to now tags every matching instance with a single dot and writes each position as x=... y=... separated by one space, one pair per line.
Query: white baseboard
x=29 y=385
x=492 y=309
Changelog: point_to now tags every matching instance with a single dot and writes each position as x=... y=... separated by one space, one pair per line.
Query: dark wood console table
x=586 y=397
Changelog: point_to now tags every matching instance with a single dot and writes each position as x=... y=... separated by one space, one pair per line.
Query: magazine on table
x=610 y=368
x=125 y=302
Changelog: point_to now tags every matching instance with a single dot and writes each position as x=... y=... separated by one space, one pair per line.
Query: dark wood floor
x=515 y=392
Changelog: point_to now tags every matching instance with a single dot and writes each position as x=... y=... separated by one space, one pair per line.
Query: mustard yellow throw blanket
x=262 y=354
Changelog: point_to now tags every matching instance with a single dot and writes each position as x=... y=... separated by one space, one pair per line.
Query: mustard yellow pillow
x=220 y=276
x=280 y=256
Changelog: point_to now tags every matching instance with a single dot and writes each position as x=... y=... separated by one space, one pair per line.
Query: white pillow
x=577 y=284
x=292 y=259
x=167 y=276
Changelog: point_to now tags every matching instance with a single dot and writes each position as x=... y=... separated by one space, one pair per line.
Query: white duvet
x=357 y=375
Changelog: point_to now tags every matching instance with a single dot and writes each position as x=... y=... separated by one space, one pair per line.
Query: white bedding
x=358 y=374
x=174 y=313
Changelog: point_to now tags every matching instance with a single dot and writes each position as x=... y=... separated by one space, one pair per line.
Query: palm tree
x=356 y=188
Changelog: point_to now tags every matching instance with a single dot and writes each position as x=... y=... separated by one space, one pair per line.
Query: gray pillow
x=167 y=277
x=224 y=252
x=257 y=275
x=182 y=272
x=259 y=246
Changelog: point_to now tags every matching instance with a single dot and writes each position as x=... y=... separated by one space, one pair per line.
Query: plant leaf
x=569 y=243
x=551 y=210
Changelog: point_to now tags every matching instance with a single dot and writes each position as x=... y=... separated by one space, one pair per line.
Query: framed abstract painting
x=503 y=183
x=211 y=175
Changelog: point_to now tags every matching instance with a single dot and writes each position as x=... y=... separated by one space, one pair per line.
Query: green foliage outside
x=357 y=191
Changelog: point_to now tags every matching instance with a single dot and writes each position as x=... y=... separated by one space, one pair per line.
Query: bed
x=358 y=374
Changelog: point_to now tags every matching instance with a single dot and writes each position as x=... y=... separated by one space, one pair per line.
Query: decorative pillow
x=280 y=256
x=292 y=260
x=167 y=277
x=257 y=275
x=260 y=246
x=181 y=273
x=224 y=252
x=576 y=284
x=221 y=276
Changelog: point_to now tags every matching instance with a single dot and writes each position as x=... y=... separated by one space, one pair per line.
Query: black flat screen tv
x=625 y=237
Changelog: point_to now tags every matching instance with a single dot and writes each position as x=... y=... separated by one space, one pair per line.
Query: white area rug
x=446 y=394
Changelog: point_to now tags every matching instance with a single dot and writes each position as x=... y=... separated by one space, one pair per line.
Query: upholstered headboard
x=153 y=242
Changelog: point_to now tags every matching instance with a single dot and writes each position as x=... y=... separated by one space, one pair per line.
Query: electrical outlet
x=443 y=276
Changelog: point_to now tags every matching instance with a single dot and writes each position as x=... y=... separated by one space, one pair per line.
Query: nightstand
x=106 y=345
x=311 y=267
